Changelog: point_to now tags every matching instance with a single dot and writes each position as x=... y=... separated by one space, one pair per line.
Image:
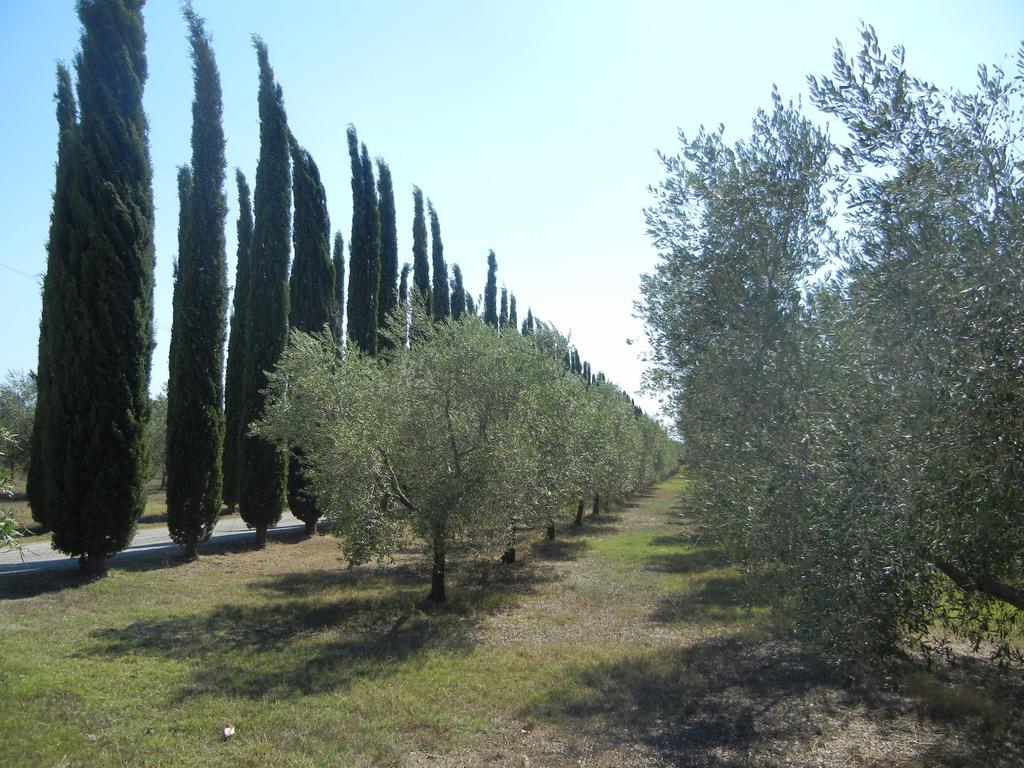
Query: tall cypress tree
x=364 y=250
x=313 y=301
x=264 y=465
x=339 y=287
x=458 y=293
x=46 y=432
x=388 y=295
x=513 y=320
x=503 y=317
x=440 y=300
x=234 y=380
x=420 y=265
x=195 y=422
x=179 y=348
x=99 y=322
x=491 y=291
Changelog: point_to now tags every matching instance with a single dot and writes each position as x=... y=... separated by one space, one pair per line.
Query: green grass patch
x=310 y=662
x=698 y=580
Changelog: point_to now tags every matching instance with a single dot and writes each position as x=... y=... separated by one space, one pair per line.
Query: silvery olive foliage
x=9 y=531
x=858 y=434
x=449 y=437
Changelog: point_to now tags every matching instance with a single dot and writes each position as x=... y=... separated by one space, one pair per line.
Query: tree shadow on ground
x=716 y=599
x=32 y=582
x=745 y=700
x=561 y=550
x=694 y=706
x=298 y=637
x=604 y=524
x=309 y=583
x=980 y=705
x=692 y=561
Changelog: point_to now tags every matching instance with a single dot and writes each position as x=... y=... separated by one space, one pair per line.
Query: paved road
x=148 y=542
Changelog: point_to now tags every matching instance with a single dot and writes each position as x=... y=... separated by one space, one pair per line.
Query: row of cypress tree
x=96 y=337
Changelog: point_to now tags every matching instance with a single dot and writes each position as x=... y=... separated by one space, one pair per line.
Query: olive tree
x=929 y=332
x=858 y=435
x=435 y=438
x=17 y=411
x=9 y=531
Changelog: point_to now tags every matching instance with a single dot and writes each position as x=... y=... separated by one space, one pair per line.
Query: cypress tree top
x=372 y=223
x=339 y=286
x=388 y=296
x=440 y=299
x=311 y=288
x=503 y=317
x=403 y=284
x=513 y=320
x=458 y=293
x=364 y=249
x=528 y=322
x=420 y=265
x=491 y=291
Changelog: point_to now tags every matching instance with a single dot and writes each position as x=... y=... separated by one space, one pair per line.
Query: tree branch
x=967 y=583
x=396 y=489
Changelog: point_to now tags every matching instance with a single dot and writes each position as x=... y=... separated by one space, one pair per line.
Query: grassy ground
x=624 y=643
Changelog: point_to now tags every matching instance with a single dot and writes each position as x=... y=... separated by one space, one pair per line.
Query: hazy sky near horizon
x=532 y=126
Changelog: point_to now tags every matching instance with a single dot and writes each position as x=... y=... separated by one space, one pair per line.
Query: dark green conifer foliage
x=99 y=321
x=312 y=298
x=263 y=465
x=234 y=381
x=46 y=434
x=458 y=293
x=195 y=422
x=513 y=319
x=403 y=285
x=403 y=299
x=364 y=250
x=503 y=317
x=470 y=304
x=440 y=300
x=373 y=239
x=491 y=291
x=313 y=284
x=420 y=264
x=388 y=295
x=339 y=287
x=528 y=322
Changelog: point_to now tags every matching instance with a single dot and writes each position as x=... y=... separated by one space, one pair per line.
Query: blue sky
x=531 y=125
